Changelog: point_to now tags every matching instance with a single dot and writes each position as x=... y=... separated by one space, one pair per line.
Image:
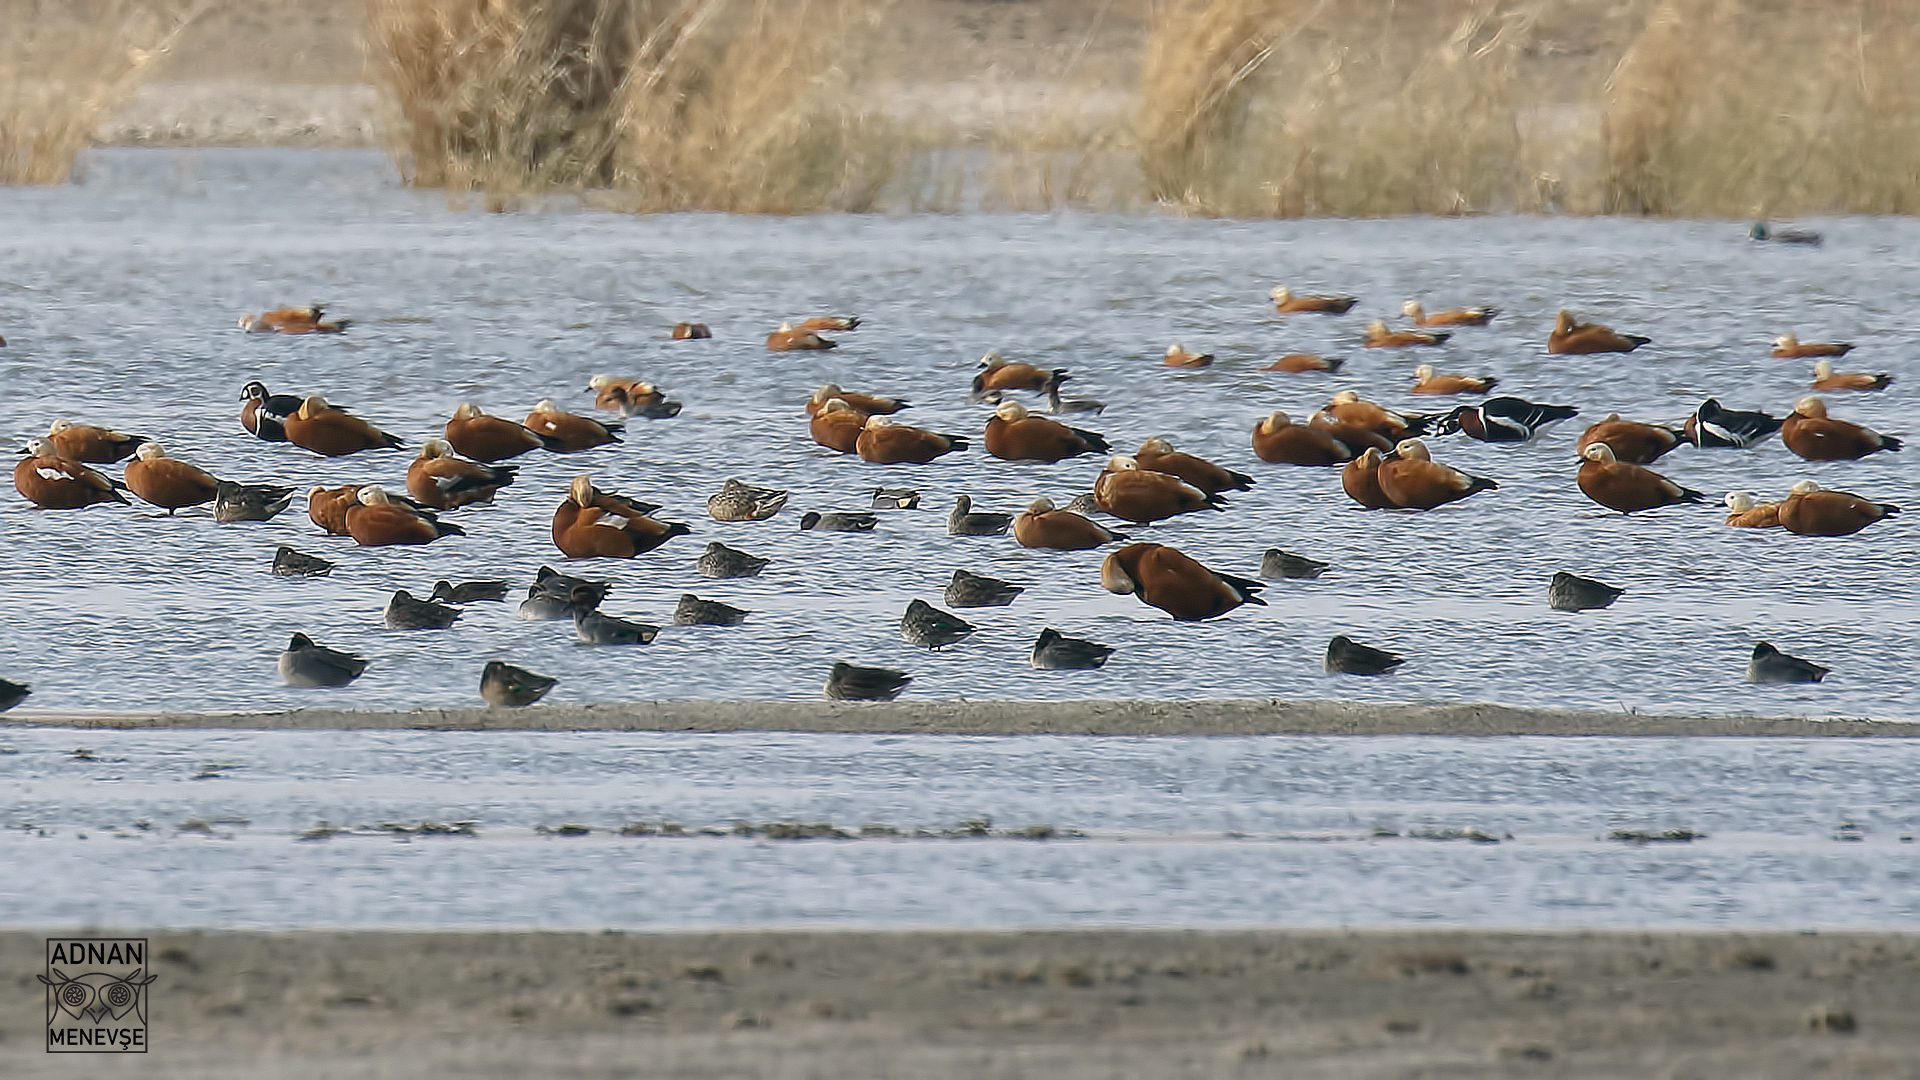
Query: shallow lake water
x=119 y=293
x=203 y=829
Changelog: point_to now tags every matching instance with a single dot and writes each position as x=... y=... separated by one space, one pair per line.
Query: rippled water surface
x=1172 y=831
x=120 y=295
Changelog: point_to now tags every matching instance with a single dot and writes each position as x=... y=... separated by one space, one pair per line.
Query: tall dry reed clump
x=675 y=104
x=63 y=64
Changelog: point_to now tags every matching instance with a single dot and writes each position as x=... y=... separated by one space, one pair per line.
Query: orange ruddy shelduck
x=169 y=483
x=592 y=524
x=1789 y=347
x=837 y=426
x=572 y=433
x=1630 y=440
x=327 y=431
x=1427 y=382
x=1177 y=356
x=1041 y=525
x=1134 y=494
x=1360 y=479
x=442 y=481
x=790 y=338
x=1810 y=433
x=1412 y=480
x=377 y=521
x=829 y=322
x=1473 y=316
x=1354 y=435
x=327 y=507
x=884 y=442
x=1347 y=407
x=1745 y=513
x=492 y=438
x=1580 y=338
x=52 y=482
x=1158 y=455
x=1300 y=363
x=1277 y=440
x=1168 y=579
x=1813 y=511
x=691 y=331
x=1285 y=302
x=870 y=404
x=1826 y=379
x=90 y=443
x=999 y=373
x=293 y=320
x=1380 y=337
x=631 y=397
x=1626 y=487
x=1015 y=435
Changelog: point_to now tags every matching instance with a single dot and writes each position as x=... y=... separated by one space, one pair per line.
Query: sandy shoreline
x=999 y=718
x=1066 y=1005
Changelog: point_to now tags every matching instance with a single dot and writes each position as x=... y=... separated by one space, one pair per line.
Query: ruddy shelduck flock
x=1381 y=454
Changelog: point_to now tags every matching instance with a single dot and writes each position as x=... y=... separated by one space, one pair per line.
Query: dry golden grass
x=62 y=66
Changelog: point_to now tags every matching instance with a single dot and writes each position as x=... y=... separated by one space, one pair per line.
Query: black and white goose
x=1712 y=425
x=1504 y=419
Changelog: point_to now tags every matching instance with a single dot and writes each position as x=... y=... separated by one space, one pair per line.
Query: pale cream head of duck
x=581 y=490
x=1805 y=487
x=1415 y=450
x=149 y=450
x=374 y=495
x=1823 y=369
x=1041 y=505
x=1740 y=501
x=1010 y=411
x=1275 y=421
x=1423 y=372
x=1810 y=407
x=1600 y=452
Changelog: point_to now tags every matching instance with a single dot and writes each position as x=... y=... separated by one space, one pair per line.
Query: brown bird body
x=884 y=442
x=1015 y=435
x=1041 y=525
x=1624 y=486
x=1277 y=440
x=570 y=433
x=1299 y=363
x=327 y=431
x=1285 y=302
x=998 y=373
x=1474 y=316
x=1380 y=337
x=1412 y=480
x=1356 y=436
x=1789 y=347
x=1430 y=383
x=444 y=482
x=1134 y=494
x=869 y=404
x=592 y=524
x=1572 y=337
x=1158 y=455
x=293 y=320
x=167 y=482
x=828 y=322
x=1360 y=479
x=1827 y=380
x=790 y=338
x=691 y=331
x=1744 y=513
x=1348 y=407
x=1170 y=580
x=1813 y=511
x=91 y=443
x=1630 y=440
x=490 y=438
x=1177 y=356
x=1811 y=434
x=377 y=521
x=837 y=426
x=327 y=507
x=51 y=481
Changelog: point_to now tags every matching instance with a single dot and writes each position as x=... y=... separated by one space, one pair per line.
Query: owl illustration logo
x=96 y=995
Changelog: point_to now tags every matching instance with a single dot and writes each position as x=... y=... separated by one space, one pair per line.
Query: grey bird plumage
x=737 y=501
x=407 y=612
x=693 y=611
x=1054 y=651
x=305 y=663
x=885 y=498
x=978 y=590
x=290 y=563
x=598 y=628
x=249 y=502
x=1347 y=656
x=851 y=682
x=1770 y=665
x=721 y=561
x=930 y=628
x=965 y=521
x=504 y=684
x=1278 y=564
x=1571 y=592
x=468 y=592
x=838 y=521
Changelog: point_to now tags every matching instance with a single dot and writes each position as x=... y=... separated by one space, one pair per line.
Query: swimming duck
x=838 y=521
x=1412 y=480
x=407 y=612
x=1811 y=434
x=631 y=397
x=1054 y=651
x=469 y=592
x=571 y=433
x=837 y=426
x=379 y=521
x=1427 y=382
x=506 y=685
x=1277 y=440
x=930 y=628
x=1356 y=436
x=1015 y=435
x=978 y=590
x=1360 y=479
x=1626 y=487
x=1348 y=407
x=1810 y=510
x=1577 y=338
x=1177 y=356
x=886 y=498
x=1349 y=657
x=1277 y=564
x=1632 y=441
x=91 y=443
x=690 y=331
x=327 y=507
x=1301 y=363
x=592 y=627
x=444 y=482
x=998 y=373
x=963 y=520
x=1743 y=512
x=1158 y=455
x=1762 y=232
x=1059 y=405
x=1142 y=496
x=12 y=693
x=331 y=432
x=1571 y=592
x=249 y=502
x=1285 y=302
x=884 y=442
x=492 y=438
x=851 y=682
x=789 y=338
x=1825 y=379
x=169 y=483
x=293 y=320
x=1789 y=347
x=1503 y=419
x=554 y=595
x=594 y=524
x=1043 y=526
x=870 y=404
x=1380 y=337
x=721 y=561
x=52 y=482
x=1084 y=504
x=737 y=501
x=1712 y=425
x=693 y=611
x=1473 y=316
x=1770 y=665
x=263 y=414
x=1166 y=578
x=307 y=664
x=290 y=563
x=830 y=322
